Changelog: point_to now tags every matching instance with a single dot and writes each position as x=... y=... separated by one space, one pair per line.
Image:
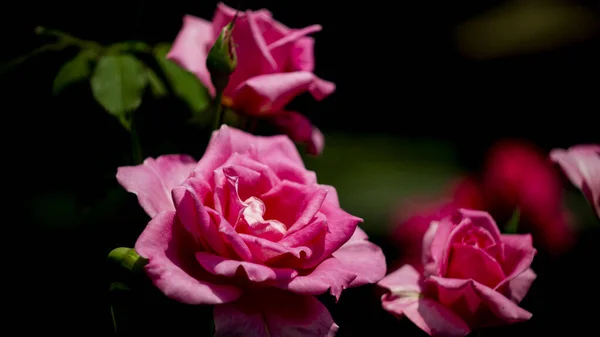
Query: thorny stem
x=114 y=319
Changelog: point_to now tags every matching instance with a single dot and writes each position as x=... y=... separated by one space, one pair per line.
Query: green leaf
x=77 y=69
x=118 y=84
x=156 y=84
x=185 y=84
x=513 y=224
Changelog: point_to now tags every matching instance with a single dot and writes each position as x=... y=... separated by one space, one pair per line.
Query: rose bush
x=275 y=63
x=249 y=221
x=473 y=277
x=581 y=164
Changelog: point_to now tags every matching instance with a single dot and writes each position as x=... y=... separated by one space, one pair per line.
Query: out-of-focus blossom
x=581 y=164
x=518 y=175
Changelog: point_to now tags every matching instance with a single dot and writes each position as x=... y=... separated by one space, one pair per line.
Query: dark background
x=398 y=72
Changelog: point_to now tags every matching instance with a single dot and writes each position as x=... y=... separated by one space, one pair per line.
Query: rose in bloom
x=473 y=277
x=249 y=229
x=581 y=164
x=274 y=63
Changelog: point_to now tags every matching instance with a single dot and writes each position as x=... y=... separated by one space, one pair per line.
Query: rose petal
x=164 y=243
x=427 y=314
x=482 y=219
x=285 y=45
x=264 y=251
x=294 y=36
x=468 y=262
x=519 y=286
x=153 y=180
x=267 y=94
x=218 y=265
x=405 y=279
x=195 y=218
x=226 y=198
x=252 y=46
x=358 y=235
x=286 y=169
x=303 y=55
x=233 y=239
x=293 y=204
x=254 y=178
x=226 y=141
x=191 y=46
x=405 y=298
x=330 y=275
x=341 y=226
x=224 y=14
x=362 y=258
x=277 y=314
x=434 y=246
x=581 y=164
x=474 y=302
x=300 y=130
x=519 y=254
x=471 y=220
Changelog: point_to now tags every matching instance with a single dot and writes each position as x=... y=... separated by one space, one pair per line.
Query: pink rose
x=581 y=164
x=275 y=63
x=473 y=277
x=249 y=221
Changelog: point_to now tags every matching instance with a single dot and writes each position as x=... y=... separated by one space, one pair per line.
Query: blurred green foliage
x=372 y=174
x=525 y=26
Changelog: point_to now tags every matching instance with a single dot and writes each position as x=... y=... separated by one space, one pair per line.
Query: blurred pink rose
x=581 y=164
x=519 y=175
x=249 y=220
x=473 y=277
x=275 y=63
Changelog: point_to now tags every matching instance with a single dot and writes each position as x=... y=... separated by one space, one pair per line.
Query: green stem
x=114 y=319
x=218 y=110
x=21 y=59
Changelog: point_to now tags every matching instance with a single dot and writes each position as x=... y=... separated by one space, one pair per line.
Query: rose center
x=253 y=222
x=478 y=237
